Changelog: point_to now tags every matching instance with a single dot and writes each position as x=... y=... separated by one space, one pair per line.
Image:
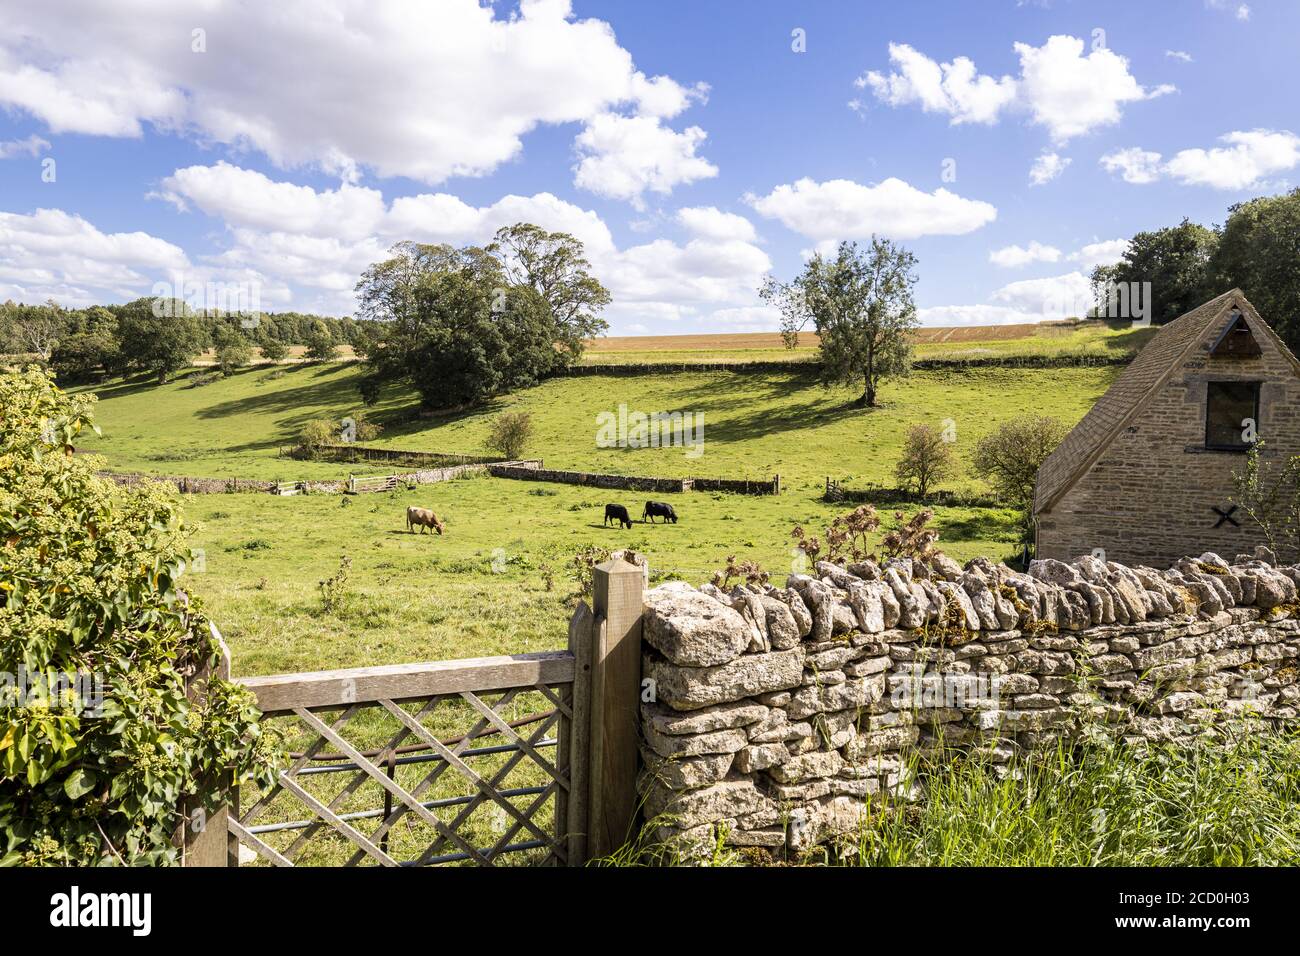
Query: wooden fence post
x=617 y=590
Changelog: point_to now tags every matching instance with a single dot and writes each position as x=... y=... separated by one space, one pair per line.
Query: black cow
x=658 y=509
x=619 y=514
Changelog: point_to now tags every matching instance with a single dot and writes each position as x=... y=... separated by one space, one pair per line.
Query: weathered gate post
x=617 y=591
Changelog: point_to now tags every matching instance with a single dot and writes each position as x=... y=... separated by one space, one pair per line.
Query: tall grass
x=1234 y=801
x=1229 y=801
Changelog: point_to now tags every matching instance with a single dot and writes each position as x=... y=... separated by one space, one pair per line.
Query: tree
x=31 y=329
x=159 y=336
x=860 y=304
x=233 y=348
x=320 y=343
x=510 y=433
x=1175 y=260
x=273 y=350
x=453 y=326
x=927 y=458
x=88 y=345
x=100 y=744
x=554 y=265
x=1257 y=252
x=1009 y=458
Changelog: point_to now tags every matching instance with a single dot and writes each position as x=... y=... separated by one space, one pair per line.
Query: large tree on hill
x=1259 y=252
x=1175 y=260
x=160 y=336
x=860 y=305
x=453 y=326
x=554 y=265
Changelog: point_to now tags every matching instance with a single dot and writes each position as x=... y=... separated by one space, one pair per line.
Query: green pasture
x=754 y=425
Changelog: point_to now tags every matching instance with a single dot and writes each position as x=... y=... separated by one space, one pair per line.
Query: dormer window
x=1231 y=415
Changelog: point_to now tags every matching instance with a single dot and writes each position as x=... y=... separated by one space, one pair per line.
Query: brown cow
x=422 y=516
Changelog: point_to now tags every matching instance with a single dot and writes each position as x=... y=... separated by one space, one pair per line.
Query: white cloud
x=842 y=209
x=1057 y=297
x=709 y=222
x=423 y=90
x=1047 y=167
x=954 y=88
x=1072 y=94
x=1059 y=87
x=1134 y=165
x=1243 y=163
x=1248 y=157
x=1011 y=257
x=1030 y=300
x=1243 y=12
x=53 y=254
x=31 y=146
x=1105 y=253
x=244 y=197
x=623 y=156
x=1179 y=55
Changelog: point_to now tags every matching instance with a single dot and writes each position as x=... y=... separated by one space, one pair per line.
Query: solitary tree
x=926 y=459
x=860 y=305
x=450 y=323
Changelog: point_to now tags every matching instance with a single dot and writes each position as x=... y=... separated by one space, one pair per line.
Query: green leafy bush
x=92 y=772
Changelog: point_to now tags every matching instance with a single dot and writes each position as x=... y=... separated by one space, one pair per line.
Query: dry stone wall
x=781 y=713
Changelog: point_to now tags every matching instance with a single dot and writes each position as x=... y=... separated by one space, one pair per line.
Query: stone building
x=1147 y=475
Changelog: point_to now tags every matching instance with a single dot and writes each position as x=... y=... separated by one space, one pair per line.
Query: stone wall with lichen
x=777 y=715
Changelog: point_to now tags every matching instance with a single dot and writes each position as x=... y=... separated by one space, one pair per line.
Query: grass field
x=754 y=425
x=482 y=588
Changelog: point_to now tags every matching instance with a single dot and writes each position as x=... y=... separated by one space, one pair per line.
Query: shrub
x=926 y=460
x=317 y=433
x=510 y=434
x=92 y=774
x=1009 y=458
x=363 y=429
x=334 y=589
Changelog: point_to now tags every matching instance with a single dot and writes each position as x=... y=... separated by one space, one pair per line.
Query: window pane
x=1227 y=406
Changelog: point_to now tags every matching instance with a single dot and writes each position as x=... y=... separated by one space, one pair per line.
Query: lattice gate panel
x=465 y=778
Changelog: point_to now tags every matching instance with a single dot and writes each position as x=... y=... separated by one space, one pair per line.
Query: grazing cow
x=658 y=509
x=619 y=514
x=423 y=517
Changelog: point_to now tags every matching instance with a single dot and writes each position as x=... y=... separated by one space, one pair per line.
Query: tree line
x=159 y=336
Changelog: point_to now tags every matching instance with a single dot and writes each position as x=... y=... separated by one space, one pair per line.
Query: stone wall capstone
x=782 y=713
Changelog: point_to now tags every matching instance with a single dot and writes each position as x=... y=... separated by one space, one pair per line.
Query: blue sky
x=274 y=150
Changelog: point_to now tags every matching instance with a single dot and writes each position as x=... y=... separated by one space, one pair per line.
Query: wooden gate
x=527 y=758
